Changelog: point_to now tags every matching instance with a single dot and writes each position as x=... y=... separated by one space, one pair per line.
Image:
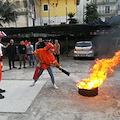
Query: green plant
x=7 y=12
x=91 y=13
x=71 y=19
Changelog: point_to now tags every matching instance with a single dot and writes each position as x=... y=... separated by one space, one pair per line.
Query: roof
x=98 y=22
x=49 y=29
x=114 y=20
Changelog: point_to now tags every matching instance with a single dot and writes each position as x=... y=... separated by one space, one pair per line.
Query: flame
x=99 y=71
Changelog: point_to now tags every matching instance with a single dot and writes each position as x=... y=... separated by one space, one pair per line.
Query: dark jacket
x=22 y=49
x=40 y=45
x=11 y=50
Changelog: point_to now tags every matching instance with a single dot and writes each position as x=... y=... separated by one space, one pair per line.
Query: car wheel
x=75 y=58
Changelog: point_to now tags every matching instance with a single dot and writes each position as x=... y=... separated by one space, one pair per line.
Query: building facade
x=42 y=12
x=25 y=13
x=53 y=12
x=81 y=8
x=106 y=9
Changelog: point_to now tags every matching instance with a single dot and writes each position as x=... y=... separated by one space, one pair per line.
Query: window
x=107 y=0
x=107 y=9
x=118 y=7
x=45 y=7
x=94 y=1
x=83 y=44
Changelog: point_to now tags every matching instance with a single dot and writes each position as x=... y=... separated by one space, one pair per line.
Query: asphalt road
x=66 y=103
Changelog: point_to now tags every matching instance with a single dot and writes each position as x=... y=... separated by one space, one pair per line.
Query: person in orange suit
x=45 y=57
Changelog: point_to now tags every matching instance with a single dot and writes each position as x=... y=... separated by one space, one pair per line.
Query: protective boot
x=1 y=96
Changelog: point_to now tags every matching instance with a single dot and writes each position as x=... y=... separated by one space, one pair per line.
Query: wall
x=58 y=10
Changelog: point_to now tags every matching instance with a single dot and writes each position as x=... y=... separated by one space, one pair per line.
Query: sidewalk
x=64 y=103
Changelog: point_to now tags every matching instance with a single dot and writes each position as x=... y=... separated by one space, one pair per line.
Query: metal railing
x=109 y=12
x=105 y=1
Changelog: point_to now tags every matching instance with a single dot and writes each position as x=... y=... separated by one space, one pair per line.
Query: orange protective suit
x=0 y=71
x=46 y=59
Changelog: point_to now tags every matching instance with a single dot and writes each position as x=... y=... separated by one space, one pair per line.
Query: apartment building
x=53 y=12
x=106 y=8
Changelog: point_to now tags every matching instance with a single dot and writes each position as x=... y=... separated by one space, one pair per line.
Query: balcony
x=106 y=2
x=107 y=13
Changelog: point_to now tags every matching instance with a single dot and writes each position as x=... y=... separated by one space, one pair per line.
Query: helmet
x=49 y=47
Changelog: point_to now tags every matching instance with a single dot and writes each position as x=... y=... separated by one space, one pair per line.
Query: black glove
x=58 y=66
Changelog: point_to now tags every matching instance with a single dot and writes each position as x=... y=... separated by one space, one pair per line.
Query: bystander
x=22 y=53
x=11 y=54
x=57 y=50
x=30 y=53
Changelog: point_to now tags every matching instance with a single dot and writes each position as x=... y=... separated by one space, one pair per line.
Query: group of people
x=45 y=54
x=25 y=50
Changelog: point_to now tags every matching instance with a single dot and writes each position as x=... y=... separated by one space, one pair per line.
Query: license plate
x=82 y=55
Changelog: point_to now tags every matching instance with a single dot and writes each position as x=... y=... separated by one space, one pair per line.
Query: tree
x=91 y=13
x=71 y=19
x=7 y=12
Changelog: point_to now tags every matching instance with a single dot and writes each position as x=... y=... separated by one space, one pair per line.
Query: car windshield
x=83 y=44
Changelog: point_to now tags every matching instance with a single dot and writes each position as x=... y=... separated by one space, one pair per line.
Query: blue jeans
x=50 y=73
x=31 y=59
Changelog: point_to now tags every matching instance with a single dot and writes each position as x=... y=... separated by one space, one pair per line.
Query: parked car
x=83 y=49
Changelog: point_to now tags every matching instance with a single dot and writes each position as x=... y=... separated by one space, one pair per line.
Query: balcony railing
x=104 y=13
x=106 y=2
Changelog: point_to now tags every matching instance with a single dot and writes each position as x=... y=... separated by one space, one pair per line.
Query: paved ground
x=65 y=103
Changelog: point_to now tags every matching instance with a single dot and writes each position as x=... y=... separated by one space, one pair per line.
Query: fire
x=99 y=71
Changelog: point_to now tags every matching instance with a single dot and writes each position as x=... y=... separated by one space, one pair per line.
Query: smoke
x=75 y=78
x=107 y=44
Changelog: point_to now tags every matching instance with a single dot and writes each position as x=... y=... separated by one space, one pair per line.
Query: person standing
x=36 y=44
x=25 y=43
x=57 y=50
x=1 y=91
x=22 y=53
x=30 y=53
x=11 y=54
x=2 y=46
x=45 y=58
x=41 y=45
x=1 y=55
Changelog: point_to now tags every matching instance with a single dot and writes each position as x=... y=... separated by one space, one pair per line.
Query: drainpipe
x=49 y=12
x=27 y=12
x=66 y=11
